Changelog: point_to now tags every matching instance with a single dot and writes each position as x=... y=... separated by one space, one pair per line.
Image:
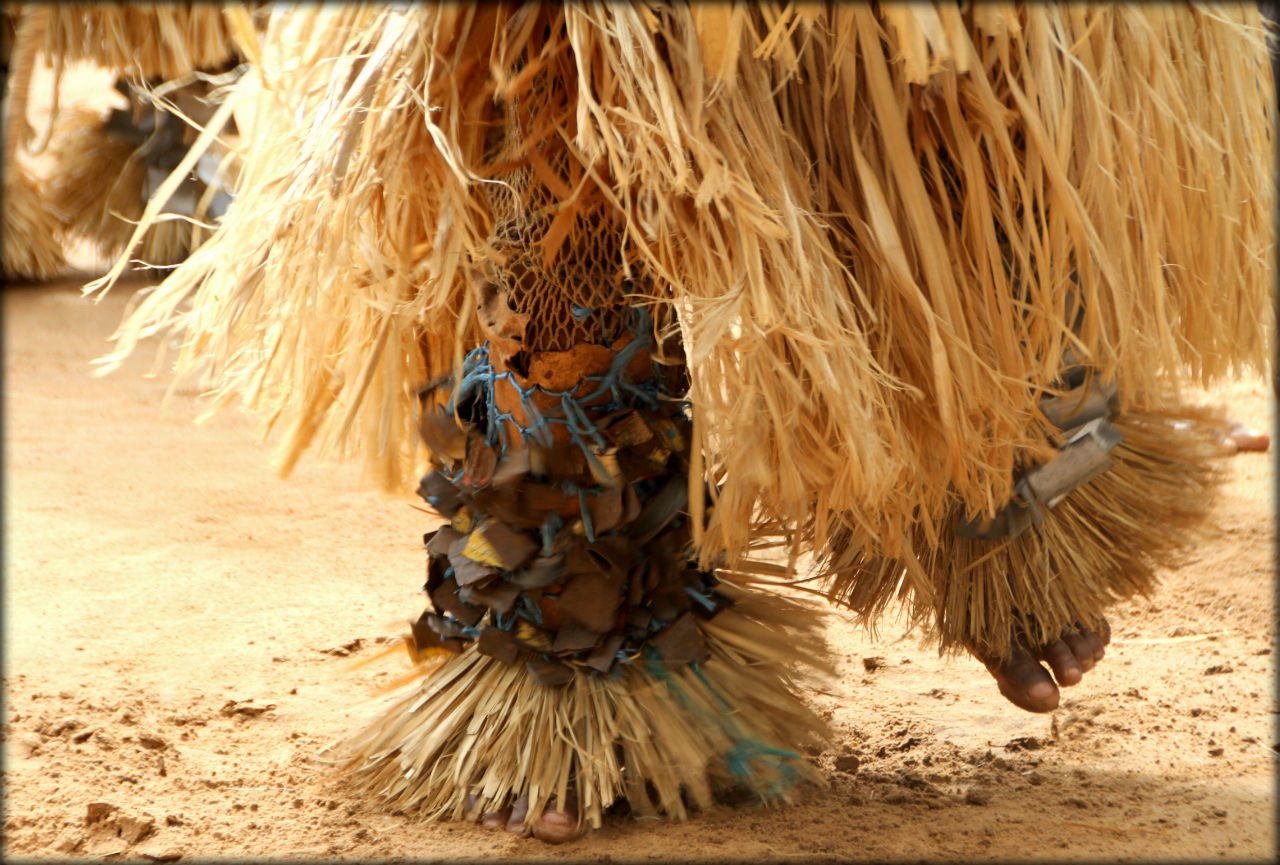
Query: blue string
x=478 y=379
x=700 y=598
x=552 y=524
x=529 y=611
x=746 y=753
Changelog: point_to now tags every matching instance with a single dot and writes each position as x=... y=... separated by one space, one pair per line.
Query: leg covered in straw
x=880 y=228
x=588 y=658
x=1125 y=495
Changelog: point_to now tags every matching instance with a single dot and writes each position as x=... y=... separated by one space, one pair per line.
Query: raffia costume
x=681 y=301
x=105 y=165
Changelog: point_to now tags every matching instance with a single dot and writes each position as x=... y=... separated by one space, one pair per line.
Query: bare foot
x=1025 y=682
x=1239 y=437
x=554 y=826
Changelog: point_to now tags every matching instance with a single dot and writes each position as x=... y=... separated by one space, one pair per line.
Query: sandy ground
x=181 y=624
x=180 y=628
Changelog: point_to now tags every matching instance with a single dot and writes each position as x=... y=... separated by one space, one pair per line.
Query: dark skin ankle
x=1024 y=680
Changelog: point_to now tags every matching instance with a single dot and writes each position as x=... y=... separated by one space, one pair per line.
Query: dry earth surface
x=181 y=625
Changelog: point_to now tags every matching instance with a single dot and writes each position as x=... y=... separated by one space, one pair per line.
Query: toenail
x=1041 y=691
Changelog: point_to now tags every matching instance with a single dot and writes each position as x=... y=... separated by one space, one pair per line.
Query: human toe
x=1066 y=668
x=1246 y=439
x=496 y=819
x=1025 y=683
x=517 y=820
x=556 y=826
x=1084 y=648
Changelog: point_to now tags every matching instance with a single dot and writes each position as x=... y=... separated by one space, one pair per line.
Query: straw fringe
x=880 y=230
x=1109 y=539
x=99 y=183
x=479 y=726
x=179 y=37
x=32 y=232
x=32 y=246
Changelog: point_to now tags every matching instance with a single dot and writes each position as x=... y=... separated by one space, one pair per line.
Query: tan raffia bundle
x=32 y=246
x=32 y=232
x=479 y=727
x=881 y=228
x=99 y=186
x=143 y=40
x=1104 y=541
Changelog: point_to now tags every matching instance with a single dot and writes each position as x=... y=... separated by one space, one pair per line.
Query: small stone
x=97 y=811
x=244 y=708
x=64 y=726
x=69 y=842
x=134 y=829
x=977 y=797
x=848 y=763
x=27 y=744
x=1023 y=743
x=127 y=715
x=1215 y=752
x=1218 y=669
x=151 y=740
x=872 y=664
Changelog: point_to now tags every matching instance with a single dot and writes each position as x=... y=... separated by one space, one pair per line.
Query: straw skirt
x=883 y=236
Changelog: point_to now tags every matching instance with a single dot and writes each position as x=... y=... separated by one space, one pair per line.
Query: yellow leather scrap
x=478 y=549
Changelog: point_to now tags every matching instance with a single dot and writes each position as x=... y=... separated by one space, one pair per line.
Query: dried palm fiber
x=865 y=306
x=108 y=162
x=477 y=726
x=142 y=40
x=561 y=459
x=100 y=184
x=32 y=231
x=1107 y=540
x=880 y=228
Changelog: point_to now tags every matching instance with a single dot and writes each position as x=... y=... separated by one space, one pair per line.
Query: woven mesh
x=578 y=296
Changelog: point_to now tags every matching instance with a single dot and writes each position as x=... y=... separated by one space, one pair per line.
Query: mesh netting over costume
x=574 y=292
